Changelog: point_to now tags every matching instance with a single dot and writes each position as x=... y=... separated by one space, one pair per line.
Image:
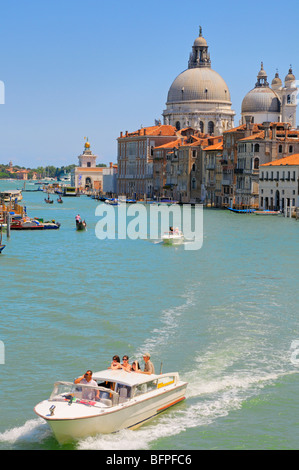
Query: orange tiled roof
x=290 y=160
x=172 y=144
x=217 y=146
x=164 y=130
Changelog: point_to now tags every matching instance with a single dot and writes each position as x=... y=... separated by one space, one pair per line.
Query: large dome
x=199 y=84
x=261 y=99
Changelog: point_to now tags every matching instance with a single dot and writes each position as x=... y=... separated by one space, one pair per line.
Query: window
x=201 y=126
x=256 y=148
x=291 y=149
x=88 y=164
x=280 y=149
x=178 y=125
x=256 y=163
x=210 y=127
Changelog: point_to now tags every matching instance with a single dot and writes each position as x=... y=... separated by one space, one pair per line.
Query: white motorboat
x=173 y=237
x=121 y=400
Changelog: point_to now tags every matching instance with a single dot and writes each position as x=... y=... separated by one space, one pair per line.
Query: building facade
x=279 y=184
x=87 y=176
x=135 y=159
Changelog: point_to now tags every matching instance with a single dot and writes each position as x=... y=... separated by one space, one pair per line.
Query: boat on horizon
x=121 y=400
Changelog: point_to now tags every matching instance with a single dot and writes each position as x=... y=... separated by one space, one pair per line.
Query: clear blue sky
x=75 y=68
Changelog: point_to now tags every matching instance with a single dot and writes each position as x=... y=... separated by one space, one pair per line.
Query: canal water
x=224 y=316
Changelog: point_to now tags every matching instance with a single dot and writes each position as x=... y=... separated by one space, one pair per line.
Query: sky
x=73 y=69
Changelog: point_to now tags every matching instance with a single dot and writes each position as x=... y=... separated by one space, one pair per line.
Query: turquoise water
x=224 y=316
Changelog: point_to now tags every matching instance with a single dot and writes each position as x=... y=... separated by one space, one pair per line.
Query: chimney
x=249 y=126
x=121 y=134
x=274 y=129
x=266 y=126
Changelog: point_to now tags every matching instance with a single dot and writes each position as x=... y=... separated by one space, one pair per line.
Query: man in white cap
x=148 y=366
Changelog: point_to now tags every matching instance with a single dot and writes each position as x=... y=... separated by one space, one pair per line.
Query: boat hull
x=131 y=414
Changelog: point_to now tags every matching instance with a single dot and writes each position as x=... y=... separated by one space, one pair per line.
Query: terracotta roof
x=218 y=146
x=172 y=144
x=290 y=160
x=163 y=130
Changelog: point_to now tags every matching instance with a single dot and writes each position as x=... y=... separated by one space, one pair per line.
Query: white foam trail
x=34 y=430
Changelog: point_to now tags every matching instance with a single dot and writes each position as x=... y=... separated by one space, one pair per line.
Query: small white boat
x=121 y=400
x=267 y=212
x=174 y=237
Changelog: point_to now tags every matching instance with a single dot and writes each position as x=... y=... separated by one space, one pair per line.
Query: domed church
x=275 y=104
x=199 y=97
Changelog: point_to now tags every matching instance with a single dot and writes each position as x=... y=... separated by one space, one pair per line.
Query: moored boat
x=120 y=400
x=267 y=212
x=241 y=211
x=26 y=224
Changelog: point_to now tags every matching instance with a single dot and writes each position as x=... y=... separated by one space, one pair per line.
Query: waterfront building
x=274 y=141
x=212 y=180
x=87 y=176
x=199 y=97
x=271 y=104
x=135 y=159
x=161 y=155
x=279 y=184
x=230 y=157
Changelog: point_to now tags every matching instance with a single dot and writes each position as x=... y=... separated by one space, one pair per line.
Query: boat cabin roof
x=120 y=375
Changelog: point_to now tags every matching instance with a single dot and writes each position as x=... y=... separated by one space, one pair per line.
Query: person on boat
x=87 y=379
x=115 y=364
x=78 y=218
x=126 y=365
x=148 y=365
x=176 y=230
x=136 y=367
x=171 y=229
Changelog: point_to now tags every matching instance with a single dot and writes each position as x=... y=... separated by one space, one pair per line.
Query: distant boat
x=112 y=202
x=80 y=225
x=173 y=237
x=241 y=211
x=30 y=224
x=267 y=212
x=49 y=201
x=60 y=200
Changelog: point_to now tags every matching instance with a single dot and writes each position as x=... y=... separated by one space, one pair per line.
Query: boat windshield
x=79 y=393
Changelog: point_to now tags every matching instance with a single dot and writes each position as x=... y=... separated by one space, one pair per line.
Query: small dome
x=290 y=76
x=262 y=73
x=200 y=41
x=276 y=80
x=261 y=99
